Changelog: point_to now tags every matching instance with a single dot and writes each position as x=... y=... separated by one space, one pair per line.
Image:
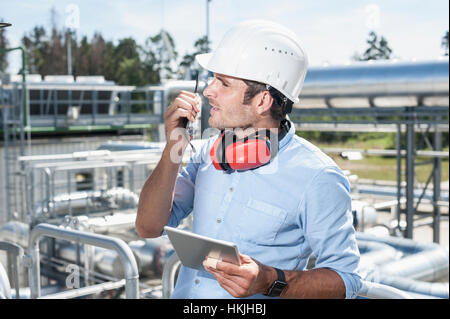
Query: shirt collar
x=288 y=137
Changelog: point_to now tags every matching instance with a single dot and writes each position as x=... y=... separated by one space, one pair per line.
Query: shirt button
x=231 y=189
x=219 y=220
x=197 y=281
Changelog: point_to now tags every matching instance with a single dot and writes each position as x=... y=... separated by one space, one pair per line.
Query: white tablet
x=192 y=249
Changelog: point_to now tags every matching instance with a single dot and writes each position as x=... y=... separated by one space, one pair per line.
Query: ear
x=263 y=102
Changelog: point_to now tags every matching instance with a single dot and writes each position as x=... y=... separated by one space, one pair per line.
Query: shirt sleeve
x=328 y=224
x=185 y=188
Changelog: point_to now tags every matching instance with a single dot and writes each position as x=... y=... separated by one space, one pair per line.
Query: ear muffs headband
x=229 y=153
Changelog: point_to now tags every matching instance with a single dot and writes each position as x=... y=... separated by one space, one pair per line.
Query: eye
x=224 y=83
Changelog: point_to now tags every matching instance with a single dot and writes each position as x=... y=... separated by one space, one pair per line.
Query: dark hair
x=253 y=88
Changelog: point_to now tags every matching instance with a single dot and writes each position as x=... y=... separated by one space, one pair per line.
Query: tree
x=82 y=56
x=127 y=63
x=159 y=56
x=3 y=45
x=378 y=49
x=130 y=72
x=46 y=55
x=444 y=43
x=109 y=66
x=36 y=47
x=97 y=55
x=201 y=45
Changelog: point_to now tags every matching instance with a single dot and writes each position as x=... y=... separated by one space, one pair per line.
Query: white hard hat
x=260 y=51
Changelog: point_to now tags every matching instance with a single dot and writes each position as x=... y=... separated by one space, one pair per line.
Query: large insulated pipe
x=373 y=290
x=428 y=265
x=151 y=256
x=405 y=245
x=430 y=289
x=422 y=261
x=15 y=232
x=125 y=253
x=378 y=78
x=373 y=253
x=121 y=198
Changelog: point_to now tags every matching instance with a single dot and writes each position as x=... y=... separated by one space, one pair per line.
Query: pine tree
x=378 y=49
x=36 y=45
x=3 y=55
x=444 y=43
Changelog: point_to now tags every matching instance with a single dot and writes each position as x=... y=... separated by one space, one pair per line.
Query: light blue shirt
x=278 y=214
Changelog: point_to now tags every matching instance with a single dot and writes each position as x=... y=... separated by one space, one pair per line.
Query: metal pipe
x=422 y=261
x=125 y=253
x=373 y=253
x=428 y=265
x=437 y=165
x=407 y=246
x=373 y=290
x=120 y=198
x=398 y=146
x=151 y=256
x=410 y=80
x=433 y=289
x=84 y=291
x=15 y=252
x=410 y=158
x=169 y=274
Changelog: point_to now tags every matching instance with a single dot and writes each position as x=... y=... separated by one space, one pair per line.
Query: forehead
x=229 y=79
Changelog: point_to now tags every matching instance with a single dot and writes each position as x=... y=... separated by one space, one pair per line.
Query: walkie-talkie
x=188 y=124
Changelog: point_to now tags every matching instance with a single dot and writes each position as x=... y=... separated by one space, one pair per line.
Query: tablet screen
x=192 y=249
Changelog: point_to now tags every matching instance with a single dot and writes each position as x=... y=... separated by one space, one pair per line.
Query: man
x=278 y=212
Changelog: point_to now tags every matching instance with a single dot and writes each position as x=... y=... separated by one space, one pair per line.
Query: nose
x=209 y=91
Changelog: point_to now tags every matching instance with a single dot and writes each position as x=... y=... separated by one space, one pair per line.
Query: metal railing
x=14 y=253
x=124 y=251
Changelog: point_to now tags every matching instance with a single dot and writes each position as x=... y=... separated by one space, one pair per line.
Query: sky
x=332 y=31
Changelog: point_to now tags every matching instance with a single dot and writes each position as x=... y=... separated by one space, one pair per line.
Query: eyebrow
x=222 y=79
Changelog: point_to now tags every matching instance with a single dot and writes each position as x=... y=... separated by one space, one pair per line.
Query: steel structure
x=126 y=255
x=408 y=98
x=404 y=97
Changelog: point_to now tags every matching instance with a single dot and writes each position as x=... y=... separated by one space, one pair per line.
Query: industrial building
x=75 y=155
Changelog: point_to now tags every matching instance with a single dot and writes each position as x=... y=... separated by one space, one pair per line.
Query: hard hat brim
x=203 y=60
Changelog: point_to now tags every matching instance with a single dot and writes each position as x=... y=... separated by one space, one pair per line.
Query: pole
x=207 y=24
x=410 y=158
x=398 y=146
x=24 y=85
x=69 y=53
x=437 y=166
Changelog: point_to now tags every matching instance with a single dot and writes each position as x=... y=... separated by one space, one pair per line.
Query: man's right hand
x=184 y=106
x=156 y=197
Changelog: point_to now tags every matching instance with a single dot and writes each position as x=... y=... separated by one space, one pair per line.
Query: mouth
x=213 y=110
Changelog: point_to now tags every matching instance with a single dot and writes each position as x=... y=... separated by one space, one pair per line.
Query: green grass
x=380 y=167
x=385 y=168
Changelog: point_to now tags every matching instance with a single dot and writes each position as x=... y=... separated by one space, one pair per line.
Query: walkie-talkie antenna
x=190 y=126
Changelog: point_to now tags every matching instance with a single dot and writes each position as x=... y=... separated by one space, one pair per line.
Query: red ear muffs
x=230 y=154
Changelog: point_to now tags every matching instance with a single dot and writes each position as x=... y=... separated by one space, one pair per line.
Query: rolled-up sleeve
x=329 y=229
x=184 y=191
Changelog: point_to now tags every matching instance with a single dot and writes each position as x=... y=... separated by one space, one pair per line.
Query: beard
x=231 y=118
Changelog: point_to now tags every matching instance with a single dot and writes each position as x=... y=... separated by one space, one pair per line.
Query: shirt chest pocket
x=260 y=222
